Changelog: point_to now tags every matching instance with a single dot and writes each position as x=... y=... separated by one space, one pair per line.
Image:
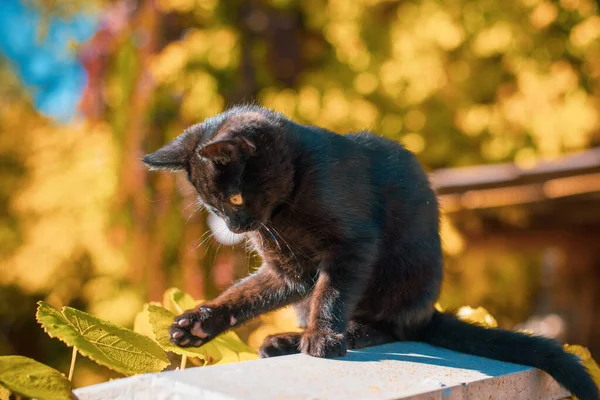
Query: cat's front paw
x=195 y=327
x=323 y=344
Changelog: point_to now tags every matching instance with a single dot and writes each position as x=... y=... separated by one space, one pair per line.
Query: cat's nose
x=234 y=224
x=242 y=225
x=235 y=228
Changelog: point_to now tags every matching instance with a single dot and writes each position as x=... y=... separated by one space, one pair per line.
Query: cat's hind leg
x=363 y=333
x=280 y=344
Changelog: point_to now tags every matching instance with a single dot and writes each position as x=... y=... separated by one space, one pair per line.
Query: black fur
x=447 y=331
x=347 y=227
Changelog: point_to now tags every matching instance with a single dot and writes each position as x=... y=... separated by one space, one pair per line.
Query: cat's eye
x=236 y=199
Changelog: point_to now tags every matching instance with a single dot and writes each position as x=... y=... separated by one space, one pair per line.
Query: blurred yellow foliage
x=67 y=200
x=458 y=83
x=586 y=32
x=201 y=99
x=586 y=358
x=478 y=315
x=282 y=320
x=452 y=241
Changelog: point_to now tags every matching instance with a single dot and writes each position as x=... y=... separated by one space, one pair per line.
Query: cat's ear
x=220 y=152
x=223 y=151
x=172 y=156
x=248 y=145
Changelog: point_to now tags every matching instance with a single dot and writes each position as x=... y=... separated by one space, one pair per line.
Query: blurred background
x=500 y=100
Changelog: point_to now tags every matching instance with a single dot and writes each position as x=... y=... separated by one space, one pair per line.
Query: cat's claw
x=195 y=327
x=184 y=322
x=177 y=335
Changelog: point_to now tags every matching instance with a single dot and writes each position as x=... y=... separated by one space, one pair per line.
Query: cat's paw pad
x=323 y=344
x=280 y=345
x=196 y=327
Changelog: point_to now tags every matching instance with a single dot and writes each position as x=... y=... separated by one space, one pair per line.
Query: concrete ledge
x=404 y=370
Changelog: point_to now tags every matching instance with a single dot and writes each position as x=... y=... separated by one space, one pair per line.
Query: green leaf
x=113 y=346
x=178 y=301
x=4 y=393
x=141 y=324
x=30 y=378
x=225 y=348
x=231 y=349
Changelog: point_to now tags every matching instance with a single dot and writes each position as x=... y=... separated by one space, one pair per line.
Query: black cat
x=347 y=228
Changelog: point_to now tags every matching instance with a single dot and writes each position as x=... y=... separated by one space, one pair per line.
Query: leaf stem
x=73 y=358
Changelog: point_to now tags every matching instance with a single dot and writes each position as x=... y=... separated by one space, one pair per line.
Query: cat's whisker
x=211 y=235
x=199 y=245
x=202 y=241
x=215 y=256
x=166 y=199
x=286 y=243
x=272 y=235
x=250 y=246
x=223 y=229
x=198 y=206
x=205 y=233
x=190 y=217
x=293 y=206
x=188 y=206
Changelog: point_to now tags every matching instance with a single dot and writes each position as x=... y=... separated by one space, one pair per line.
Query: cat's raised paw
x=195 y=327
x=323 y=344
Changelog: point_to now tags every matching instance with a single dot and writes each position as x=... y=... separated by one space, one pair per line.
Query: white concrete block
x=404 y=370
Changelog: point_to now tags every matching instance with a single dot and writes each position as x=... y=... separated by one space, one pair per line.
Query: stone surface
x=394 y=371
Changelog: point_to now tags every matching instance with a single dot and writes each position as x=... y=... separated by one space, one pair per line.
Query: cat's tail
x=446 y=330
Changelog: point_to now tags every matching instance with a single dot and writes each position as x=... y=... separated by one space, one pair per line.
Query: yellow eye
x=236 y=199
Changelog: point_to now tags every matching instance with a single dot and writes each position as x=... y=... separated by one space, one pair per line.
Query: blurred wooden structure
x=553 y=207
